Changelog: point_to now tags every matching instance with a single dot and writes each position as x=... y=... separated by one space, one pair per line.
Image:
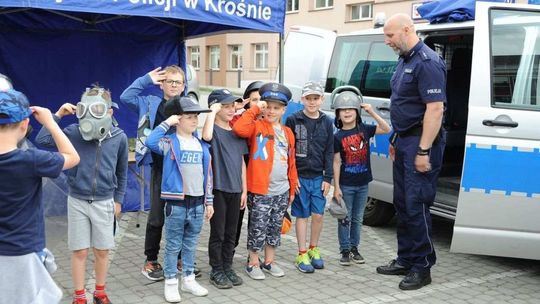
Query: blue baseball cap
x=222 y=96
x=15 y=106
x=275 y=92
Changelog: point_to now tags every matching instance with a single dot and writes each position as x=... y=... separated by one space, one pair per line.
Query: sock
x=100 y=290
x=80 y=294
x=300 y=252
x=312 y=246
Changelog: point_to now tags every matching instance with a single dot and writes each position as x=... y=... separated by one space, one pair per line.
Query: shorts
x=311 y=198
x=26 y=280
x=90 y=224
x=266 y=218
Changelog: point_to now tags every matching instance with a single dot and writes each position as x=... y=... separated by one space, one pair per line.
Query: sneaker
x=152 y=270
x=220 y=280
x=79 y=301
x=255 y=272
x=189 y=284
x=196 y=269
x=101 y=299
x=171 y=291
x=345 y=258
x=233 y=277
x=273 y=269
x=303 y=264
x=315 y=257
x=356 y=256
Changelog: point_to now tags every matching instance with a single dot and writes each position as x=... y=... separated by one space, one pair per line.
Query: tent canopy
x=53 y=49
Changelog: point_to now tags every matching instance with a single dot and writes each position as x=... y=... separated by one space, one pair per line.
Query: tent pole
x=281 y=49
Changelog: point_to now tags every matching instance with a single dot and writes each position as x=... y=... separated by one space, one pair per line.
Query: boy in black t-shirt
x=230 y=189
x=352 y=170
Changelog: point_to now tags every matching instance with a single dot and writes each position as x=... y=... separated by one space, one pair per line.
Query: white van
x=490 y=183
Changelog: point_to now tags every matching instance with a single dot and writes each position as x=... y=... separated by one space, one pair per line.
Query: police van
x=490 y=182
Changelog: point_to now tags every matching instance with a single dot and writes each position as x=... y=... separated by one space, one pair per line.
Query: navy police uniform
x=420 y=78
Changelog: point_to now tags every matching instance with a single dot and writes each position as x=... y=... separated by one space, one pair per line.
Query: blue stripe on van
x=379 y=145
x=491 y=169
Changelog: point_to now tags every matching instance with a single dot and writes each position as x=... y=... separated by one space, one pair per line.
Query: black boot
x=393 y=268
x=415 y=280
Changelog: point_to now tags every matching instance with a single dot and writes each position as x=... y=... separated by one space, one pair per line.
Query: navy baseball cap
x=222 y=96
x=183 y=105
x=14 y=106
x=275 y=92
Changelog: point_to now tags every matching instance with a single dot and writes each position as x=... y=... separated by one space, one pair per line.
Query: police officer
x=417 y=106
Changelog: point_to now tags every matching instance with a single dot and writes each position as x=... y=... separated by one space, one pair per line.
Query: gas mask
x=95 y=122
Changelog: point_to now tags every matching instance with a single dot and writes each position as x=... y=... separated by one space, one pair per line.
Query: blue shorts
x=310 y=200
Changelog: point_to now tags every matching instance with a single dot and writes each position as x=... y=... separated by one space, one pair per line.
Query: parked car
x=192 y=83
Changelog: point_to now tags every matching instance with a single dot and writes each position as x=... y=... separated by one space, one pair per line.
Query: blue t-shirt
x=22 y=224
x=353 y=148
x=420 y=78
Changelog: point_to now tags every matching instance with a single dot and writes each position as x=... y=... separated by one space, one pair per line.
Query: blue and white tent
x=53 y=49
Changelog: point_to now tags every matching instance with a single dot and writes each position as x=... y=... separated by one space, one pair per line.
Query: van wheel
x=378 y=213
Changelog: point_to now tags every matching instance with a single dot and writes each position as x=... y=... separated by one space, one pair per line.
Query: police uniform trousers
x=414 y=193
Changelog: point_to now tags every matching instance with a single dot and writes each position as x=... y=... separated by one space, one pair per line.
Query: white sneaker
x=171 y=291
x=273 y=269
x=190 y=285
x=255 y=272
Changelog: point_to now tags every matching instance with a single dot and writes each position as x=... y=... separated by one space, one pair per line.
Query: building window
x=261 y=56
x=235 y=52
x=361 y=11
x=214 y=57
x=324 y=3
x=195 y=56
x=292 y=5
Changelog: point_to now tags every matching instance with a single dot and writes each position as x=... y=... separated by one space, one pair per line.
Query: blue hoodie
x=168 y=145
x=102 y=171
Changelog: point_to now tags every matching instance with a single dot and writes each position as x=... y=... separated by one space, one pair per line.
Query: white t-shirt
x=279 y=180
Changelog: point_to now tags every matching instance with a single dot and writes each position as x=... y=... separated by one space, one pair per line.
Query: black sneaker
x=233 y=277
x=345 y=258
x=152 y=270
x=220 y=280
x=196 y=270
x=356 y=256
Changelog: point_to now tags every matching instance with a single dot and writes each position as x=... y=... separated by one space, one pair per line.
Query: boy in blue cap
x=230 y=189
x=186 y=188
x=22 y=232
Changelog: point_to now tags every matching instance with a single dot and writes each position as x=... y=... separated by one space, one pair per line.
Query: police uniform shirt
x=420 y=78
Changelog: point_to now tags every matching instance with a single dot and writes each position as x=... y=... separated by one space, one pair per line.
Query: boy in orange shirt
x=271 y=175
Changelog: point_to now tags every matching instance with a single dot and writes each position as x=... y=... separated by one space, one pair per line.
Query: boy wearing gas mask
x=96 y=186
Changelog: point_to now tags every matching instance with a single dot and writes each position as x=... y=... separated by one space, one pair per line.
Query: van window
x=515 y=65
x=364 y=62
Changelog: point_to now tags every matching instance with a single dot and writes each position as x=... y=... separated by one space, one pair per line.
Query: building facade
x=236 y=59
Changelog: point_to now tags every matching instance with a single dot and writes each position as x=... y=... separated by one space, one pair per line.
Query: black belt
x=414 y=131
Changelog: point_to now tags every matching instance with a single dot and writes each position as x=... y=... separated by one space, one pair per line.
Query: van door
x=499 y=201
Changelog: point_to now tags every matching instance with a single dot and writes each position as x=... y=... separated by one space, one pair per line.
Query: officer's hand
x=367 y=107
x=209 y=210
x=325 y=187
x=66 y=109
x=172 y=120
x=157 y=75
x=392 y=152
x=422 y=164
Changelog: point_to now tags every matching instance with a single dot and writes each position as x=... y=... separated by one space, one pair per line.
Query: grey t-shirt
x=191 y=166
x=279 y=180
x=228 y=152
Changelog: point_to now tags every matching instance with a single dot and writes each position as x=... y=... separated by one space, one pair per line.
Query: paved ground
x=457 y=278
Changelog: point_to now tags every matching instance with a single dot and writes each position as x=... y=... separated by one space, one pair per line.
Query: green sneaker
x=303 y=264
x=315 y=257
